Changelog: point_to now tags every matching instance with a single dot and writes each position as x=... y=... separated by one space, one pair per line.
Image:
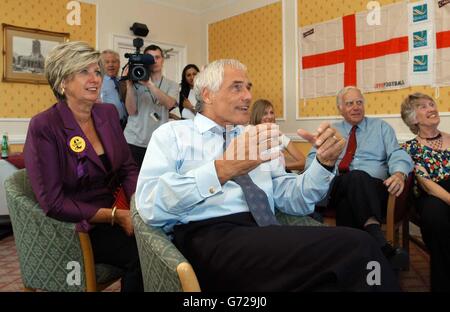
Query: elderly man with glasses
x=370 y=167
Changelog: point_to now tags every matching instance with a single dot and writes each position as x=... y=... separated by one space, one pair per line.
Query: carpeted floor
x=417 y=279
x=10 y=279
x=414 y=280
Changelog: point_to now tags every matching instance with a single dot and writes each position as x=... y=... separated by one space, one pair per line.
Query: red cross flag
x=442 y=24
x=355 y=50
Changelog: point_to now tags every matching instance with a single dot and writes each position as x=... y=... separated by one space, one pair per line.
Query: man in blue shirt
x=376 y=166
x=190 y=187
x=110 y=92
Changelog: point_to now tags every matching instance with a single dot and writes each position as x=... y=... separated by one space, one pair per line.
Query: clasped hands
x=261 y=143
x=328 y=142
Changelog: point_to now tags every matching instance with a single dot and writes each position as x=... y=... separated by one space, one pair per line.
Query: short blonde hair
x=408 y=110
x=66 y=60
x=257 y=111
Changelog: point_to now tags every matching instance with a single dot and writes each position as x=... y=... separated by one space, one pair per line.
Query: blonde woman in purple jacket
x=76 y=158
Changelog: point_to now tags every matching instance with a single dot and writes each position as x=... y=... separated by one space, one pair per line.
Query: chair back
x=50 y=254
x=163 y=266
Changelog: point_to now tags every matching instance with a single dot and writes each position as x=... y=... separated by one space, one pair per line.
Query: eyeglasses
x=358 y=102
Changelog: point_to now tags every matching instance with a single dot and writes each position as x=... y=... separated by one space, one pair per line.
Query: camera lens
x=138 y=72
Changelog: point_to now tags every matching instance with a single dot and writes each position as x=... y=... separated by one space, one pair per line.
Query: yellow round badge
x=77 y=144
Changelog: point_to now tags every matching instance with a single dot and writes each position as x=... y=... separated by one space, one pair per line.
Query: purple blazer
x=70 y=184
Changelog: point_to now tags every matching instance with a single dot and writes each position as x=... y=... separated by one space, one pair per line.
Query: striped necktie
x=256 y=198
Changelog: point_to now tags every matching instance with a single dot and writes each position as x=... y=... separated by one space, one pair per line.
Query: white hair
x=109 y=51
x=342 y=92
x=211 y=78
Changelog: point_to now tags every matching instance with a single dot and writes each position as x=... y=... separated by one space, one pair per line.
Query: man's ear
x=207 y=96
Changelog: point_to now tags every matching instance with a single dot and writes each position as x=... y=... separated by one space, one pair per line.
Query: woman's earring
x=62 y=90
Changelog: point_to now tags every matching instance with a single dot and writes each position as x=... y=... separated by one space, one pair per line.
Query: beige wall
x=256 y=38
x=233 y=9
x=15 y=148
x=24 y=100
x=288 y=124
x=294 y=13
x=180 y=27
x=166 y=25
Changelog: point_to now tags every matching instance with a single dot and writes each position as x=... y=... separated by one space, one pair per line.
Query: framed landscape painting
x=24 y=53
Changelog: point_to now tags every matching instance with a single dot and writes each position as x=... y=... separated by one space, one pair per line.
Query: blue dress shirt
x=377 y=153
x=109 y=94
x=178 y=181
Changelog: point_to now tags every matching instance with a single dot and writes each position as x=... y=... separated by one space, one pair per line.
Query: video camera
x=138 y=63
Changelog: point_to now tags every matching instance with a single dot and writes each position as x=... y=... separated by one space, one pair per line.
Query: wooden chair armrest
x=89 y=265
x=188 y=279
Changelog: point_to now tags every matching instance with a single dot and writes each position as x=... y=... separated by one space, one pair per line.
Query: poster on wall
x=421 y=42
x=355 y=50
x=442 y=52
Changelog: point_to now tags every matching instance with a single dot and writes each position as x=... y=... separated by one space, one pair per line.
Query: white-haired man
x=372 y=166
x=110 y=92
x=219 y=206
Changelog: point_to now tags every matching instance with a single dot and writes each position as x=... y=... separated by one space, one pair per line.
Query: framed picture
x=24 y=53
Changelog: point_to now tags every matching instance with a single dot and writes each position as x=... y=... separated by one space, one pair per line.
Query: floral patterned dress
x=435 y=162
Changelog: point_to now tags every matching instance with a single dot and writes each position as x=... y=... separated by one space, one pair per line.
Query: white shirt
x=178 y=181
x=186 y=113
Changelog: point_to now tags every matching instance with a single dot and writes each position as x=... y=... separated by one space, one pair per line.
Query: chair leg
x=405 y=239
x=390 y=224
x=405 y=234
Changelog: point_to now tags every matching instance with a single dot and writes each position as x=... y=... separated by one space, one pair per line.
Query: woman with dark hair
x=187 y=96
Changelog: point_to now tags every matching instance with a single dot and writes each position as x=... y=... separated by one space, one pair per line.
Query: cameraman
x=148 y=104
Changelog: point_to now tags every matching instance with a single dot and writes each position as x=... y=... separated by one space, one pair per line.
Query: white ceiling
x=193 y=6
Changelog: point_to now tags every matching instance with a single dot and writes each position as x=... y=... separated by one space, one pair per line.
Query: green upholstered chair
x=47 y=246
x=163 y=266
